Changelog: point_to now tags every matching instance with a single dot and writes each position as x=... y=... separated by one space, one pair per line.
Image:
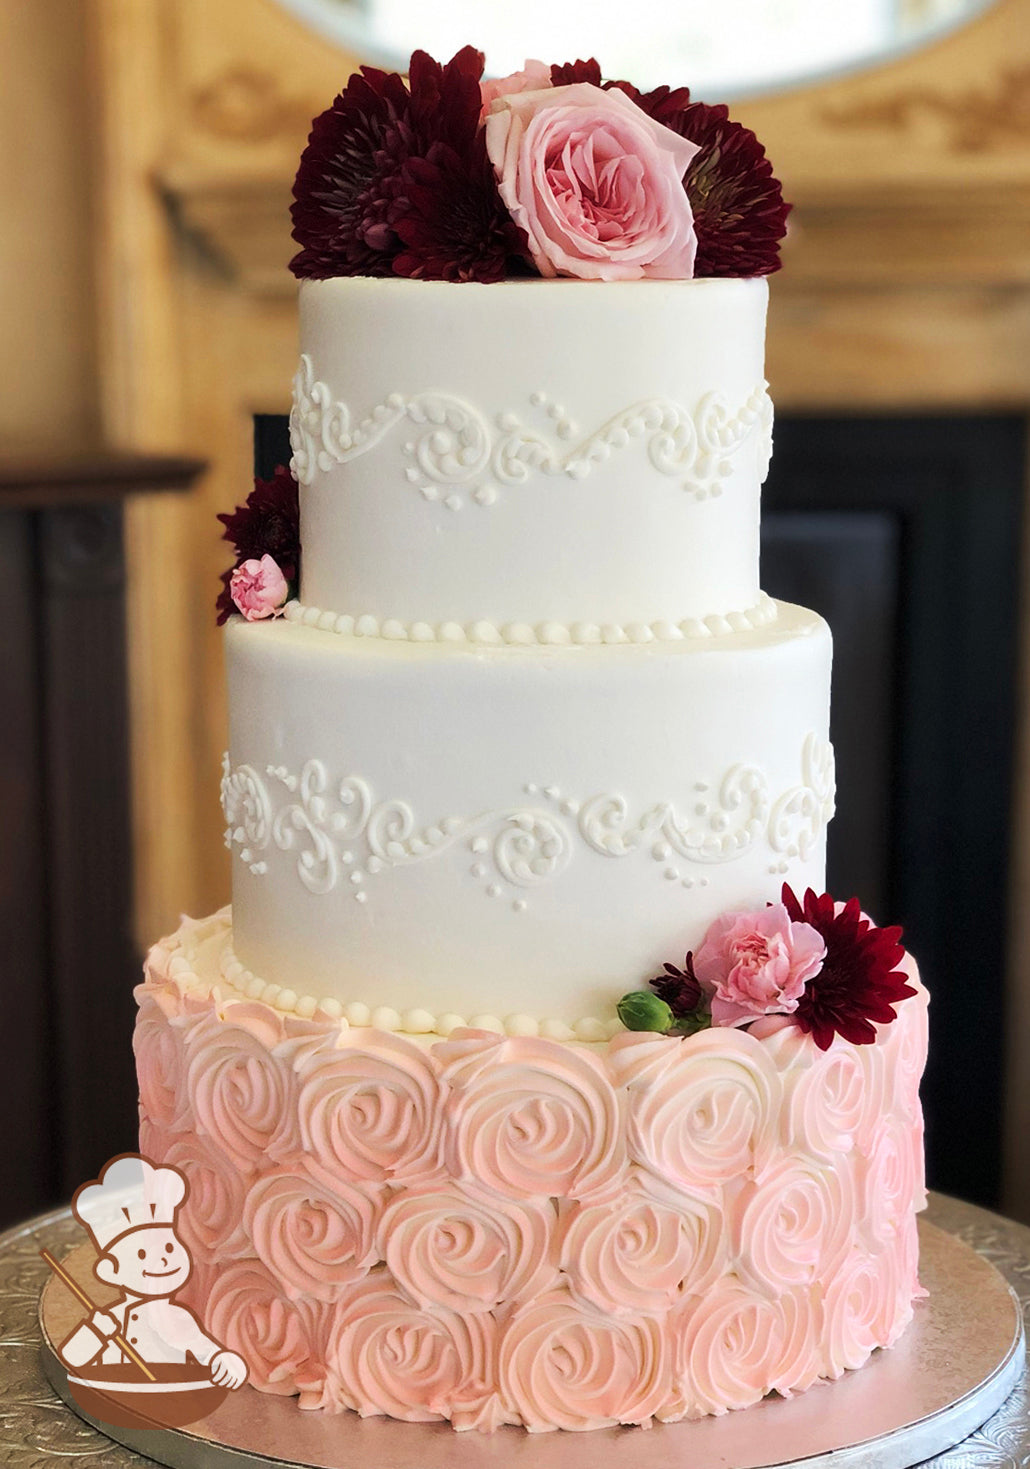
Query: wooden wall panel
x=47 y=321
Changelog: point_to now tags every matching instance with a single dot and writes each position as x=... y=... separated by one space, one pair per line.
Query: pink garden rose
x=258 y=588
x=595 y=183
x=757 y=964
x=534 y=77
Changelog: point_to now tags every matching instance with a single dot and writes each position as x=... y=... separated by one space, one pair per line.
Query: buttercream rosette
x=211 y=1217
x=702 y=1111
x=530 y=1118
x=642 y=1249
x=315 y=1236
x=386 y=1355
x=456 y=1246
x=241 y=1088
x=792 y=1225
x=371 y=1109
x=734 y=1344
x=282 y=1341
x=563 y=1364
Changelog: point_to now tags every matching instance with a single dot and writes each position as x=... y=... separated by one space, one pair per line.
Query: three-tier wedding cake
x=512 y=729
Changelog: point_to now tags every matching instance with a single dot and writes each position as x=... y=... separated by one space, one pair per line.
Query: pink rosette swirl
x=643 y=1249
x=371 y=1109
x=793 y=1225
x=832 y=1098
x=906 y=1043
x=864 y=1307
x=702 y=1110
x=565 y=1365
x=529 y=1117
x=385 y=1355
x=154 y=1140
x=832 y=1106
x=734 y=1345
x=280 y=1340
x=594 y=182
x=451 y=1245
x=241 y=1092
x=211 y=1217
x=315 y=1238
x=801 y=1353
x=891 y=1179
x=907 y=1246
x=158 y=1041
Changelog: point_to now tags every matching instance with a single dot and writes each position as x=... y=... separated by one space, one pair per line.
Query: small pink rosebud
x=259 y=589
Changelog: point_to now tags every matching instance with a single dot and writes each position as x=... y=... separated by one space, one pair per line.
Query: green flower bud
x=642 y=1010
x=699 y=1019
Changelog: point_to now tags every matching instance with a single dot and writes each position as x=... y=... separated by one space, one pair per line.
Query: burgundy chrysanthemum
x=739 y=213
x=455 y=226
x=859 y=982
x=395 y=180
x=567 y=73
x=267 y=524
x=679 y=988
x=343 y=192
x=661 y=104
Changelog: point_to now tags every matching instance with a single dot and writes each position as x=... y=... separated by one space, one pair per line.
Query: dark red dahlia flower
x=454 y=226
x=739 y=213
x=859 y=982
x=679 y=988
x=268 y=524
x=567 y=73
x=661 y=104
x=343 y=192
x=392 y=179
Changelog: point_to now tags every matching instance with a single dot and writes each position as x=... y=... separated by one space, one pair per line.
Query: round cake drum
x=951 y=1371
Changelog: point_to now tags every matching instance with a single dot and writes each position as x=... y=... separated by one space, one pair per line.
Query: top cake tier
x=533 y=454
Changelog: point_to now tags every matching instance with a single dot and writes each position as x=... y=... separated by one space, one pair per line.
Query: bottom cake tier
x=495 y=1228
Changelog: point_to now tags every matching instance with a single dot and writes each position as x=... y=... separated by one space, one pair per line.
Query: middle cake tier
x=517 y=833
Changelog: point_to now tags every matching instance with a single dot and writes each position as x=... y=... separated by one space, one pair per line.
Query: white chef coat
x=157 y=1330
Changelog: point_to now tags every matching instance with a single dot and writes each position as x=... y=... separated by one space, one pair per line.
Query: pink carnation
x=595 y=184
x=534 y=76
x=258 y=588
x=756 y=964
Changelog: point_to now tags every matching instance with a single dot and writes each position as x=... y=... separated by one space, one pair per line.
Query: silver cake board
x=952 y=1370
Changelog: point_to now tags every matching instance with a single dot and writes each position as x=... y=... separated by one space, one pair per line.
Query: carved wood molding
x=242 y=222
x=840 y=234
x=248 y=104
x=973 y=120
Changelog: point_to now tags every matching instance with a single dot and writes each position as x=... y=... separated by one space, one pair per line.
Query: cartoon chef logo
x=143 y=1355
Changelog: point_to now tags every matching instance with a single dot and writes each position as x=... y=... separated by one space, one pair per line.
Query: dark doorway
x=905 y=534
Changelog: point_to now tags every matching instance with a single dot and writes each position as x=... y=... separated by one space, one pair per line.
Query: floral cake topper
x=551 y=171
x=820 y=965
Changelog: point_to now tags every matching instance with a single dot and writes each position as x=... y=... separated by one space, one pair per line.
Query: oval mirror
x=722 y=50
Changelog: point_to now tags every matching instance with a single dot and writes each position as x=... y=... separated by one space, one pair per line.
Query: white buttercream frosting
x=649 y=786
x=452 y=448
x=543 y=634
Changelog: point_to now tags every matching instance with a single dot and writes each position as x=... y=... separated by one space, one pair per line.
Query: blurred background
x=147 y=151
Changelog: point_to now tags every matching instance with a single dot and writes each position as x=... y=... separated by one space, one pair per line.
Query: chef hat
x=129 y=1193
